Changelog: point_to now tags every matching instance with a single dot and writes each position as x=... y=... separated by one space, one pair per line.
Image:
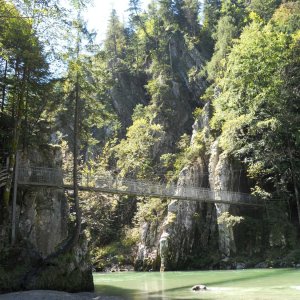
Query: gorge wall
x=42 y=228
x=190 y=235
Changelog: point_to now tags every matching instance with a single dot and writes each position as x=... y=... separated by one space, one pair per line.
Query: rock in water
x=199 y=287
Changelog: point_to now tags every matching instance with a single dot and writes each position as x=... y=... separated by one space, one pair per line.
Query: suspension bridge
x=54 y=178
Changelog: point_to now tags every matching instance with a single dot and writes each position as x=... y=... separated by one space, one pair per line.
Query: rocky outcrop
x=221 y=175
x=42 y=212
x=187 y=60
x=127 y=92
x=199 y=287
x=147 y=257
x=42 y=225
x=189 y=230
x=43 y=219
x=187 y=234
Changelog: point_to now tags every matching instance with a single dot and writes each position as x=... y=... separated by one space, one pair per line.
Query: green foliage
x=150 y=210
x=190 y=152
x=225 y=33
x=287 y=17
x=131 y=236
x=234 y=8
x=293 y=257
x=255 y=110
x=264 y=8
x=115 y=42
x=229 y=220
x=185 y=155
x=135 y=154
x=116 y=253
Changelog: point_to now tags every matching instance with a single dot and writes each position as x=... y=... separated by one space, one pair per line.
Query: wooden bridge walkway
x=51 y=177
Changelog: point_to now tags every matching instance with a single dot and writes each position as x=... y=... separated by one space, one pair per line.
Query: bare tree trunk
x=18 y=111
x=25 y=132
x=76 y=146
x=75 y=162
x=170 y=57
x=4 y=86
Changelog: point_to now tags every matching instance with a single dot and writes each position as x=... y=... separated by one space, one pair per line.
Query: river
x=251 y=284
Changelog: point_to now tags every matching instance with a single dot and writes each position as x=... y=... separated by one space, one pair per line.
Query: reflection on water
x=260 y=284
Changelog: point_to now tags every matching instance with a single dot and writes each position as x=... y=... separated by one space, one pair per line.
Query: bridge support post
x=14 y=203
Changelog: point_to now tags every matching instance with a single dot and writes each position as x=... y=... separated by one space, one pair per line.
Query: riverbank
x=55 y=295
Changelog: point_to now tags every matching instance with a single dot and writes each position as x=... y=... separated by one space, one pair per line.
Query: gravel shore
x=54 y=295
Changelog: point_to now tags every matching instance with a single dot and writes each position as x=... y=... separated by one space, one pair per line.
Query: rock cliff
x=189 y=230
x=42 y=227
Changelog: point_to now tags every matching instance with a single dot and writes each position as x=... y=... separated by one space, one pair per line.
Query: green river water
x=248 y=284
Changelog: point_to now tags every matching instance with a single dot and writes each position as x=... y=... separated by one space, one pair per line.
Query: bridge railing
x=54 y=177
x=3 y=177
x=40 y=176
x=172 y=190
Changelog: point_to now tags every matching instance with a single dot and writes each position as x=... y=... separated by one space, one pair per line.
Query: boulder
x=261 y=265
x=240 y=266
x=199 y=287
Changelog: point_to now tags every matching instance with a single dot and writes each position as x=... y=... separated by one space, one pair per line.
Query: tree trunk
x=4 y=86
x=76 y=146
x=25 y=132
x=75 y=162
x=18 y=108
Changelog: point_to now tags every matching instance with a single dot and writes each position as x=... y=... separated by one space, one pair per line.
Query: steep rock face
x=187 y=85
x=43 y=212
x=224 y=175
x=189 y=230
x=202 y=123
x=42 y=217
x=187 y=60
x=127 y=92
x=187 y=234
x=147 y=257
x=175 y=112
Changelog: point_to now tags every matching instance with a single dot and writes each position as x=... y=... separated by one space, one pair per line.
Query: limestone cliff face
x=188 y=61
x=189 y=230
x=43 y=219
x=187 y=233
x=126 y=93
x=220 y=178
x=147 y=257
x=42 y=212
x=42 y=228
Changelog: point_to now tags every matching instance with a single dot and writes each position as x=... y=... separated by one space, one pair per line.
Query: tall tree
x=257 y=113
x=25 y=73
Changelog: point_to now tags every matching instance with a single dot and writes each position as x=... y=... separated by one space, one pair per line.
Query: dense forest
x=188 y=92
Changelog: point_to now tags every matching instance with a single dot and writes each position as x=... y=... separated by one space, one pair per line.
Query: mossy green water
x=250 y=284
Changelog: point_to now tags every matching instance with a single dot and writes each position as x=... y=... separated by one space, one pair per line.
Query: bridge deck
x=49 y=177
